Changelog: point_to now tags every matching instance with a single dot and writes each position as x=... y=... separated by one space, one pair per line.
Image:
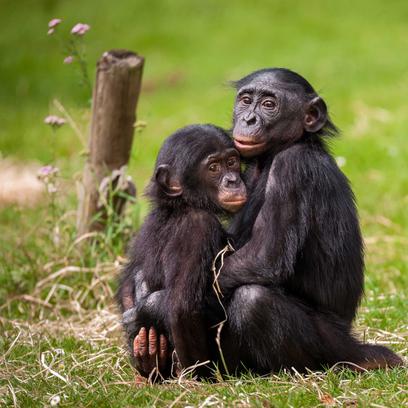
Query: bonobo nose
x=249 y=119
x=231 y=180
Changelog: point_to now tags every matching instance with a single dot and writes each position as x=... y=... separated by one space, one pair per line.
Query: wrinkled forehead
x=269 y=82
x=207 y=147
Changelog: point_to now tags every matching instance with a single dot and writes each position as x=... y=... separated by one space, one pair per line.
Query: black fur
x=293 y=287
x=168 y=276
x=297 y=278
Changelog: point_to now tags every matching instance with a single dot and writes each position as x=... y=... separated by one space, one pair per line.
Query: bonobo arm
x=188 y=277
x=280 y=228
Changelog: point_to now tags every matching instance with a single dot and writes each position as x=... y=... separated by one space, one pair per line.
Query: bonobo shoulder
x=304 y=164
x=301 y=152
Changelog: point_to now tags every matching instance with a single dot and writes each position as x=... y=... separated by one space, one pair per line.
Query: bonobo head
x=199 y=167
x=274 y=108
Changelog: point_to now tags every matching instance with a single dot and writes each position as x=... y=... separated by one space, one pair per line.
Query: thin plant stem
x=82 y=64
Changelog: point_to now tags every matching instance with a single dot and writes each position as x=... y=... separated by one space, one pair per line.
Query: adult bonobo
x=297 y=278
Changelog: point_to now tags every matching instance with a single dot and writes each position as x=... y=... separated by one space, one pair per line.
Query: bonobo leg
x=190 y=338
x=268 y=330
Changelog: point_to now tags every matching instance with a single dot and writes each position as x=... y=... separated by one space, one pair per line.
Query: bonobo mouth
x=233 y=203
x=247 y=146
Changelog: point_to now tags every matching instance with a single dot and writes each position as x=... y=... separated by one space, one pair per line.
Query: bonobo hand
x=150 y=352
x=225 y=278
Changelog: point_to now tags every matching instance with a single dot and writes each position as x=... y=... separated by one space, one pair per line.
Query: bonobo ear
x=168 y=181
x=316 y=115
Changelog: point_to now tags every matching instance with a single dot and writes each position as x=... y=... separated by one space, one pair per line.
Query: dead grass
x=96 y=362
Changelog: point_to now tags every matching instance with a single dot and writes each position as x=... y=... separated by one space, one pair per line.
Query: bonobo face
x=198 y=166
x=221 y=179
x=270 y=112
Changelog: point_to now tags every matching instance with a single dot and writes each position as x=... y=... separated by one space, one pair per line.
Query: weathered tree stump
x=115 y=96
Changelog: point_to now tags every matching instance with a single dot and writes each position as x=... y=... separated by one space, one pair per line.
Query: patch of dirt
x=19 y=184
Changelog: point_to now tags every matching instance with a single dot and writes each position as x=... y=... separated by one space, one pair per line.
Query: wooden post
x=115 y=96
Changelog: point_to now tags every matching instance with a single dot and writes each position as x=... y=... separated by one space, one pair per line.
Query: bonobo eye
x=214 y=167
x=269 y=104
x=233 y=162
x=246 y=100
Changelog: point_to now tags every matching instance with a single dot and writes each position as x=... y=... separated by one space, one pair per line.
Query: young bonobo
x=196 y=179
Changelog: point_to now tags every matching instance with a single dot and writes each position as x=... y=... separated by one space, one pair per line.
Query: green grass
x=106 y=384
x=353 y=52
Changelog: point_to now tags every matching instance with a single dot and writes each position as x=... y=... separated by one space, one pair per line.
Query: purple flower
x=80 y=29
x=47 y=170
x=54 y=22
x=50 y=31
x=48 y=174
x=54 y=121
x=69 y=59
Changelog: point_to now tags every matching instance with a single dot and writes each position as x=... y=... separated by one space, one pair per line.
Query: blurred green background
x=354 y=52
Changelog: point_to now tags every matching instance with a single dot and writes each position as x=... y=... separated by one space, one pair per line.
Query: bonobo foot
x=375 y=357
x=151 y=353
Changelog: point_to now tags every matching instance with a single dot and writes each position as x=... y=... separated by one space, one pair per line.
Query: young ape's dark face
x=199 y=166
x=220 y=177
x=272 y=108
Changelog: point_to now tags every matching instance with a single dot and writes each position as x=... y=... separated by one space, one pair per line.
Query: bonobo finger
x=152 y=358
x=143 y=351
x=142 y=342
x=136 y=346
x=140 y=364
x=152 y=342
x=162 y=352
